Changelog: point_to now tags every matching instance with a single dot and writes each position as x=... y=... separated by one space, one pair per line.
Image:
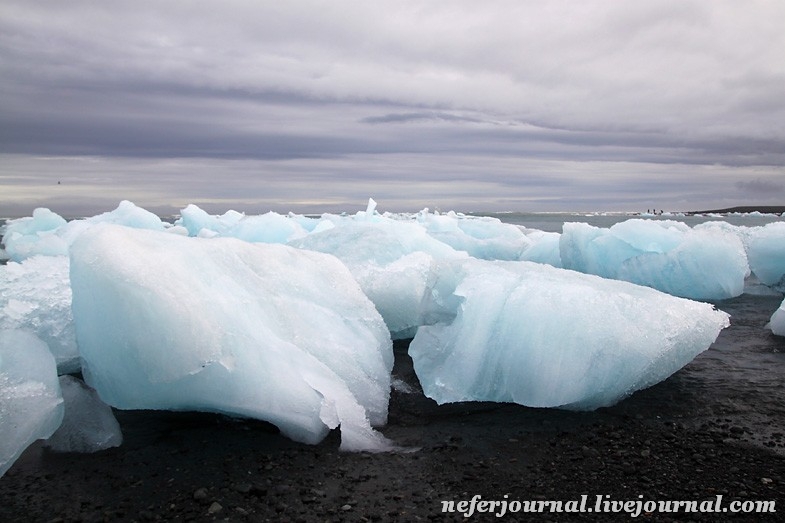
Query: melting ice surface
x=264 y=331
x=31 y=405
x=701 y=263
x=223 y=322
x=543 y=337
x=35 y=295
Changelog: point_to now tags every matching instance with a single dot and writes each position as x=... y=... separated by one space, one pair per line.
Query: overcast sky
x=317 y=105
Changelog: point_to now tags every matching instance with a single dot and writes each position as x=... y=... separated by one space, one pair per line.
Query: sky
x=315 y=106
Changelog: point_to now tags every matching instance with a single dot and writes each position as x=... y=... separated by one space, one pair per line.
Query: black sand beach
x=204 y=467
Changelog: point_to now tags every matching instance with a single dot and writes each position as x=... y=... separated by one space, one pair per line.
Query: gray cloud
x=760 y=186
x=429 y=116
x=558 y=93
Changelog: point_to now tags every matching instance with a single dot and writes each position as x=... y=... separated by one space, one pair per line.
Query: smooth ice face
x=88 y=424
x=701 y=264
x=35 y=295
x=264 y=331
x=766 y=251
x=31 y=406
x=544 y=337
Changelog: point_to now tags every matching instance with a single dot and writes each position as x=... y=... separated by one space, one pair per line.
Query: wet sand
x=204 y=467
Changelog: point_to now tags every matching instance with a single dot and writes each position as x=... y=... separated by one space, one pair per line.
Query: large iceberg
x=262 y=331
x=545 y=337
x=701 y=264
x=31 y=405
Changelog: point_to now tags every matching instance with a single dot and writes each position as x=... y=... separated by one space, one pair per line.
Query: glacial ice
x=544 y=248
x=35 y=295
x=31 y=405
x=25 y=237
x=545 y=337
x=265 y=228
x=262 y=331
x=481 y=237
x=46 y=233
x=700 y=264
x=777 y=323
x=766 y=251
x=390 y=259
x=223 y=322
x=88 y=424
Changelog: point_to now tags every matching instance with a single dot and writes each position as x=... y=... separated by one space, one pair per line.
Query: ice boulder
x=35 y=295
x=766 y=252
x=777 y=323
x=31 y=406
x=704 y=264
x=482 y=237
x=196 y=220
x=130 y=215
x=36 y=234
x=46 y=233
x=391 y=260
x=544 y=248
x=266 y=228
x=88 y=425
x=544 y=337
x=256 y=330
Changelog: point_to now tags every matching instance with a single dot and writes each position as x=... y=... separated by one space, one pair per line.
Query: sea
x=736 y=388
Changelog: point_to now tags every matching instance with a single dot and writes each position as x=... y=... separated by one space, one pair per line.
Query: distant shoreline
x=764 y=209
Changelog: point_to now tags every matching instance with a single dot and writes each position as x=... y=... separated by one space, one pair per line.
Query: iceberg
x=777 y=323
x=31 y=405
x=481 y=237
x=289 y=318
x=36 y=234
x=266 y=228
x=700 y=264
x=48 y=234
x=766 y=252
x=544 y=337
x=390 y=259
x=256 y=330
x=544 y=248
x=88 y=423
x=35 y=295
